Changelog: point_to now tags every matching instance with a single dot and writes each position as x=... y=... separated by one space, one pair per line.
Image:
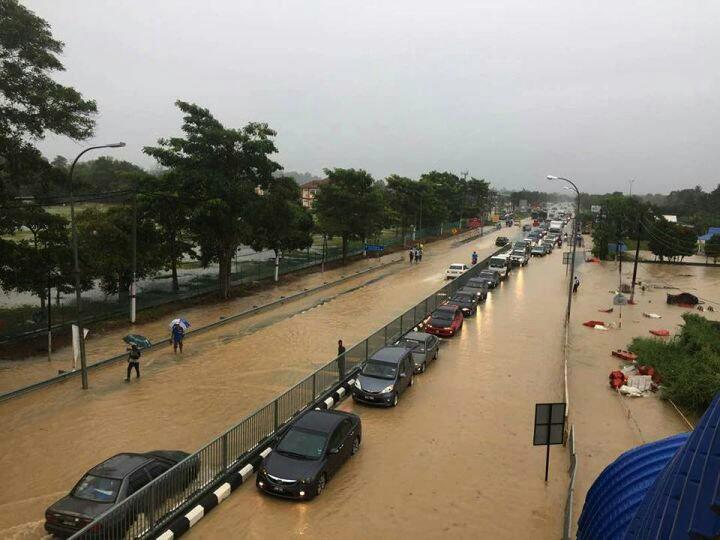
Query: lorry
x=555 y=227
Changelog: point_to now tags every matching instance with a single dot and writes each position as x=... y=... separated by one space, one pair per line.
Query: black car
x=107 y=484
x=479 y=286
x=384 y=376
x=492 y=277
x=521 y=245
x=502 y=241
x=527 y=227
x=467 y=300
x=309 y=453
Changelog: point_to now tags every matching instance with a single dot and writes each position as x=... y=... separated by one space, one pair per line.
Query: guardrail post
x=224 y=452
x=153 y=489
x=314 y=385
x=276 y=412
x=385 y=333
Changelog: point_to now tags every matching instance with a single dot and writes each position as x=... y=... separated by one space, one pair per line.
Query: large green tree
x=105 y=241
x=163 y=200
x=221 y=168
x=712 y=247
x=278 y=220
x=350 y=205
x=31 y=102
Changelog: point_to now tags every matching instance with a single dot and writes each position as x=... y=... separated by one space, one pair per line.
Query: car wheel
x=423 y=367
x=356 y=445
x=321 y=484
x=412 y=380
x=436 y=355
x=395 y=400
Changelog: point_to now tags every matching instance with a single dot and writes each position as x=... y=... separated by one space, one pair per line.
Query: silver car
x=424 y=348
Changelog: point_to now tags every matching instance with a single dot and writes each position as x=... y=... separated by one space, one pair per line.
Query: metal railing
x=162 y=499
x=568 y=523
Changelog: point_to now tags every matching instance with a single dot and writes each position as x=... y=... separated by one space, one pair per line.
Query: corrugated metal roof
x=711 y=232
x=617 y=492
x=685 y=499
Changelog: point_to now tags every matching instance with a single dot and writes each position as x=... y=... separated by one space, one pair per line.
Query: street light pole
x=574 y=242
x=78 y=306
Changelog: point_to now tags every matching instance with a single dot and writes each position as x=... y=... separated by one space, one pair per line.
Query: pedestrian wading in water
x=133 y=361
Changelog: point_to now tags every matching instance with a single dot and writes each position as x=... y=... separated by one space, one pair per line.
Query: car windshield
x=416 y=345
x=303 y=444
x=379 y=370
x=516 y=252
x=496 y=261
x=442 y=319
x=487 y=275
x=97 y=489
x=463 y=297
x=456 y=267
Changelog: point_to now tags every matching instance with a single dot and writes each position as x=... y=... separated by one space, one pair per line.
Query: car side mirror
x=333 y=451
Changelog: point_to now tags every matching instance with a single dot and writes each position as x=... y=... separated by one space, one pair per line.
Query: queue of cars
x=314 y=447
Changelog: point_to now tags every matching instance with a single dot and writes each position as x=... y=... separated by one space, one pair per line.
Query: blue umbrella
x=135 y=339
x=182 y=322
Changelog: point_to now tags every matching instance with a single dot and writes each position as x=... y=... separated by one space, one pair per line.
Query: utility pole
x=133 y=286
x=49 y=319
x=635 y=264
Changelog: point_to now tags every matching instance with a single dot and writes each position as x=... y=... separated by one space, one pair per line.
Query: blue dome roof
x=685 y=500
x=617 y=492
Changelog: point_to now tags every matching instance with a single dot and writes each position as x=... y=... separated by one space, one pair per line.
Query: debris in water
x=652 y=315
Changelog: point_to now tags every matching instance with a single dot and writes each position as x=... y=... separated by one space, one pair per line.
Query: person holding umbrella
x=133 y=361
x=177 y=329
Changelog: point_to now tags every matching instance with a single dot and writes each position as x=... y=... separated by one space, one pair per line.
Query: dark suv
x=502 y=241
x=384 y=376
x=107 y=484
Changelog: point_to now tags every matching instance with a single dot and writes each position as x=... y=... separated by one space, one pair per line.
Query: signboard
x=495 y=218
x=549 y=424
x=595 y=208
x=549 y=428
x=374 y=247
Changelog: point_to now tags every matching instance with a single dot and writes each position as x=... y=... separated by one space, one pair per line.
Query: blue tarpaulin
x=613 y=248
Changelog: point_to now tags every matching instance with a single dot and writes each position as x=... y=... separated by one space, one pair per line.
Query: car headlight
x=388 y=389
x=357 y=384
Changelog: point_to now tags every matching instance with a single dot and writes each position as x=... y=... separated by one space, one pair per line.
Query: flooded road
x=15 y=374
x=455 y=458
x=603 y=428
x=54 y=435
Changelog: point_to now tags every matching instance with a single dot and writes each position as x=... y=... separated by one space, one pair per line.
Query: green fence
x=27 y=321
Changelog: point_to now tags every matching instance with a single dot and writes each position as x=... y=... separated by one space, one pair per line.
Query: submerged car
x=424 y=348
x=491 y=277
x=527 y=227
x=519 y=257
x=384 y=376
x=455 y=270
x=502 y=241
x=310 y=452
x=467 y=300
x=106 y=485
x=445 y=321
x=538 y=251
x=477 y=285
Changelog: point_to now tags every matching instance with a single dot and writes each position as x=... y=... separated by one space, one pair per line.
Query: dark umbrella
x=135 y=339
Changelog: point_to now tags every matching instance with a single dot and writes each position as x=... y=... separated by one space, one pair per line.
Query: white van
x=500 y=263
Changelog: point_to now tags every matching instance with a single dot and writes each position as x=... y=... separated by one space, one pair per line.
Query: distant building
x=309 y=190
x=712 y=231
x=671 y=219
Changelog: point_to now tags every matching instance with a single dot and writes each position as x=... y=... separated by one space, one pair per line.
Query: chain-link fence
x=23 y=316
x=157 y=503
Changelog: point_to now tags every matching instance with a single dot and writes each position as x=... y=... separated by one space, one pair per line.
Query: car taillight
x=52 y=517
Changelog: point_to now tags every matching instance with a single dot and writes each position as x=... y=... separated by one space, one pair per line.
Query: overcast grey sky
x=510 y=90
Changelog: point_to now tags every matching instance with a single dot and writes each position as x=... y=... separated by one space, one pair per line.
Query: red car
x=445 y=321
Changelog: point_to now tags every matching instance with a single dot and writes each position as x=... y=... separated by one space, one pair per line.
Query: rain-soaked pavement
x=604 y=428
x=52 y=436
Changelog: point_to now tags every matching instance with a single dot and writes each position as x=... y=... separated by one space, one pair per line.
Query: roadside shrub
x=689 y=364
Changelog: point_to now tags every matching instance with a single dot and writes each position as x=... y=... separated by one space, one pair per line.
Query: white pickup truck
x=519 y=257
x=455 y=270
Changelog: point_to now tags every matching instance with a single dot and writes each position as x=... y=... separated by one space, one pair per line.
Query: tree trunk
x=344 y=247
x=224 y=273
x=173 y=265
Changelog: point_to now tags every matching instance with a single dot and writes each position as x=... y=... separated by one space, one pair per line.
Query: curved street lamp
x=78 y=307
x=574 y=240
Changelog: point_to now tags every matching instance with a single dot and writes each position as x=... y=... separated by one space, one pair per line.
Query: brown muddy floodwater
x=454 y=458
x=607 y=424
